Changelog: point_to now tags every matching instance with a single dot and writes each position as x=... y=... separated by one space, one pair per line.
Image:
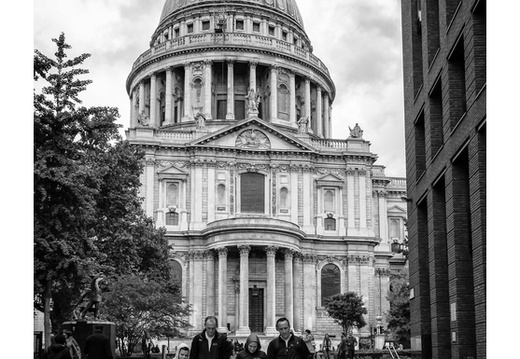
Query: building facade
x=267 y=215
x=444 y=45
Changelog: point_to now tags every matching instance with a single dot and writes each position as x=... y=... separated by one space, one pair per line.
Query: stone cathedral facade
x=266 y=213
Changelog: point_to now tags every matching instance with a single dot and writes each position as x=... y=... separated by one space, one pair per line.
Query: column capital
x=222 y=251
x=298 y=256
x=244 y=250
x=309 y=258
x=253 y=63
x=207 y=62
x=209 y=254
x=275 y=67
x=187 y=65
x=289 y=253
x=271 y=250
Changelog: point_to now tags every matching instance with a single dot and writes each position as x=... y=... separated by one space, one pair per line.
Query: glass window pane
x=330 y=281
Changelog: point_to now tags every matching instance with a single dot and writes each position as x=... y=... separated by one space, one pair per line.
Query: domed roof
x=288 y=7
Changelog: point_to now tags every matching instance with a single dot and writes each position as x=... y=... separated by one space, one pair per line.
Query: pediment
x=396 y=209
x=172 y=172
x=330 y=178
x=253 y=134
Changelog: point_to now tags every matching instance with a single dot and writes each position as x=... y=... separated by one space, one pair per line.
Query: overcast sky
x=359 y=41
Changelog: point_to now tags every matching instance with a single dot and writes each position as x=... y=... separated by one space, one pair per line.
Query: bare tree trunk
x=47 y=314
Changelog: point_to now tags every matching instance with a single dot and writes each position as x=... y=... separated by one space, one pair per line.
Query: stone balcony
x=231 y=39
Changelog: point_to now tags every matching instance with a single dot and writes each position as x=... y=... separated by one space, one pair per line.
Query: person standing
x=97 y=345
x=210 y=344
x=252 y=349
x=58 y=349
x=342 y=347
x=72 y=344
x=183 y=351
x=309 y=340
x=327 y=344
x=351 y=343
x=287 y=345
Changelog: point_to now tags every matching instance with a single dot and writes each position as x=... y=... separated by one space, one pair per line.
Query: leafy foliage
x=88 y=218
x=347 y=309
x=398 y=317
x=138 y=304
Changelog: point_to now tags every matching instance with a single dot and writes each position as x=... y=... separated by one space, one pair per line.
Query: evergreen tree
x=347 y=309
x=87 y=214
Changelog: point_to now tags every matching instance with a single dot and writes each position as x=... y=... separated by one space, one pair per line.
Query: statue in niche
x=253 y=98
x=302 y=124
x=356 y=132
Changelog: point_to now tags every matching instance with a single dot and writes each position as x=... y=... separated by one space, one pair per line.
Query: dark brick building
x=444 y=46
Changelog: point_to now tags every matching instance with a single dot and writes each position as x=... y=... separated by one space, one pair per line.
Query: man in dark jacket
x=287 y=345
x=97 y=345
x=58 y=349
x=210 y=344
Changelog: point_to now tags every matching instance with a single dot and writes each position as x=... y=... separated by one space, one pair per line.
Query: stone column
x=150 y=171
x=270 y=328
x=351 y=226
x=153 y=100
x=168 y=97
x=210 y=285
x=274 y=93
x=187 y=92
x=309 y=292
x=289 y=308
x=252 y=75
x=133 y=110
x=197 y=289
x=230 y=91
x=319 y=114
x=222 y=289
x=297 y=287
x=191 y=296
x=383 y=220
x=362 y=203
x=243 y=328
x=292 y=99
x=326 y=114
x=207 y=88
x=308 y=104
x=141 y=98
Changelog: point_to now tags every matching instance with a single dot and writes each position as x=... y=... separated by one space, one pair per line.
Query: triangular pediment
x=253 y=134
x=330 y=178
x=396 y=209
x=172 y=172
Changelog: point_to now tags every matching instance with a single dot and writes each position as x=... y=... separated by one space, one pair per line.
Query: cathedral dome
x=287 y=7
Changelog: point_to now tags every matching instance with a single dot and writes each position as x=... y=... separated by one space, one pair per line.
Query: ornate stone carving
x=143 y=119
x=252 y=139
x=244 y=250
x=270 y=250
x=222 y=252
x=356 y=132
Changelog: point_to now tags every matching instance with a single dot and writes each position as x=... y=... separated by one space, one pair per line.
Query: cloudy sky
x=359 y=41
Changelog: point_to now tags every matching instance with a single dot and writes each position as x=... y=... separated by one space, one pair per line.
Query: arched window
x=283 y=197
x=328 y=201
x=252 y=193
x=330 y=281
x=172 y=219
x=176 y=271
x=283 y=99
x=172 y=194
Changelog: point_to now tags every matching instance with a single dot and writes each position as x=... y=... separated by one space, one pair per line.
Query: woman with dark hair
x=59 y=349
x=327 y=344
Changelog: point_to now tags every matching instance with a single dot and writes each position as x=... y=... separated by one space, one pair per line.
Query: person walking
x=210 y=344
x=97 y=345
x=287 y=345
x=58 y=349
x=72 y=344
x=342 y=347
x=327 y=344
x=351 y=343
x=252 y=349
x=183 y=351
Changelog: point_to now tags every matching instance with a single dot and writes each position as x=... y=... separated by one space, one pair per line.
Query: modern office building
x=444 y=46
x=267 y=214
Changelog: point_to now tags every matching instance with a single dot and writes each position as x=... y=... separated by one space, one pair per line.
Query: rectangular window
x=205 y=25
x=284 y=35
x=221 y=109
x=417 y=49
x=436 y=132
x=420 y=147
x=189 y=28
x=240 y=109
x=457 y=82
x=432 y=29
x=271 y=30
x=252 y=193
x=256 y=26
x=239 y=24
x=176 y=32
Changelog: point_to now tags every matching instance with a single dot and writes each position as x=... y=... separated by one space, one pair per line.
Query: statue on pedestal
x=253 y=99
x=302 y=124
x=356 y=132
x=89 y=301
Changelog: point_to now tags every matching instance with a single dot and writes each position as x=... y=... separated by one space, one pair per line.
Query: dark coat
x=220 y=347
x=57 y=351
x=297 y=349
x=97 y=346
x=246 y=354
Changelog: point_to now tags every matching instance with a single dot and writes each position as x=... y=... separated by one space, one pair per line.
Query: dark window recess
x=330 y=281
x=176 y=32
x=221 y=109
x=189 y=28
x=329 y=224
x=176 y=271
x=252 y=193
x=271 y=30
x=239 y=25
x=420 y=147
x=205 y=25
x=240 y=109
x=172 y=219
x=256 y=27
x=457 y=82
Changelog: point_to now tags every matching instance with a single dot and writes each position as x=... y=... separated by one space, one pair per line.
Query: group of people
x=210 y=344
x=346 y=347
x=64 y=346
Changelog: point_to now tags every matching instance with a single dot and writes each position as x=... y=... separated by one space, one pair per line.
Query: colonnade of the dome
x=225 y=90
